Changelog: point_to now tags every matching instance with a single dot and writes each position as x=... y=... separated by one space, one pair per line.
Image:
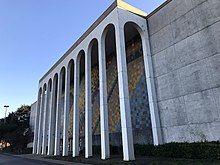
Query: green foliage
x=114 y=150
x=15 y=130
x=199 y=150
x=143 y=150
x=96 y=149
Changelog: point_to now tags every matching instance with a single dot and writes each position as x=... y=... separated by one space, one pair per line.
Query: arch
x=50 y=85
x=44 y=88
x=62 y=78
x=55 y=90
x=70 y=64
x=79 y=103
x=52 y=115
x=155 y=119
x=55 y=78
x=66 y=105
x=91 y=44
x=40 y=91
x=140 y=111
x=62 y=103
x=106 y=29
x=70 y=74
x=79 y=56
x=41 y=119
x=60 y=110
x=114 y=119
x=135 y=25
x=91 y=95
x=62 y=70
x=48 y=116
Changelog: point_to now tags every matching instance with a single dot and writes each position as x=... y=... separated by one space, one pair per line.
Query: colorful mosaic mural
x=140 y=113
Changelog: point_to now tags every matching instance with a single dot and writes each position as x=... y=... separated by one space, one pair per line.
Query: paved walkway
x=42 y=158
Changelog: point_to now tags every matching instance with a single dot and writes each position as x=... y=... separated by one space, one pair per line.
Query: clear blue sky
x=34 y=34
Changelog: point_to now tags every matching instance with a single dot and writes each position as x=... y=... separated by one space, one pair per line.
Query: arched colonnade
x=67 y=72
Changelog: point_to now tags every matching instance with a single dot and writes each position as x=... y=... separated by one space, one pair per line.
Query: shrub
x=199 y=150
x=116 y=150
x=96 y=149
x=143 y=149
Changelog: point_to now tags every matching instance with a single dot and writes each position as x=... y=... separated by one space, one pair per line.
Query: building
x=133 y=78
x=32 y=123
x=33 y=115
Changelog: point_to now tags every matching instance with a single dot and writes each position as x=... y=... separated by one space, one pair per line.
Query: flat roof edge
x=85 y=34
x=116 y=3
x=158 y=8
x=131 y=8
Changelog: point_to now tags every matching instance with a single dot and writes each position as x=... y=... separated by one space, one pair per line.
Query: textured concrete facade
x=132 y=79
x=185 y=44
x=33 y=116
x=109 y=35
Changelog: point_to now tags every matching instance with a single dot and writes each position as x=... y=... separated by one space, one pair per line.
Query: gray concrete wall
x=185 y=45
x=33 y=115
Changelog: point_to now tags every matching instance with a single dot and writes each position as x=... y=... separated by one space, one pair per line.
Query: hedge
x=197 y=150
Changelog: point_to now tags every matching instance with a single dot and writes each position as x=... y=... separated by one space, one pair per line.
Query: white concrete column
x=36 y=123
x=51 y=120
x=105 y=153
x=66 y=112
x=39 y=142
x=45 y=122
x=58 y=117
x=76 y=109
x=88 y=106
x=126 y=126
x=151 y=90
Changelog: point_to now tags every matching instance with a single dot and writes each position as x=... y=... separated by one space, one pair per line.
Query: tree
x=15 y=130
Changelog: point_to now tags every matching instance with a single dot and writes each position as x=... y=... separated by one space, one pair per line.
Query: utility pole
x=6 y=106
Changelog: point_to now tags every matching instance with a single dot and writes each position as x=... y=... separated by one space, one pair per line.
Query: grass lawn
x=139 y=161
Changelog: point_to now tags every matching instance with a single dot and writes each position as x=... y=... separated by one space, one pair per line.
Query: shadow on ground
x=114 y=160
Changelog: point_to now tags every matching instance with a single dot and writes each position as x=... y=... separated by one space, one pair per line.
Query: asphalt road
x=6 y=159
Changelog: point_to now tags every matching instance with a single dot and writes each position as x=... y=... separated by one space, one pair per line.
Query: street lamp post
x=6 y=106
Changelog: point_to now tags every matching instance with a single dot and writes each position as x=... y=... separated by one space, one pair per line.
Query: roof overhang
x=130 y=8
x=115 y=4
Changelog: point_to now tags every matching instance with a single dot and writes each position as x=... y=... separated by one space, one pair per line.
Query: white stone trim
x=51 y=120
x=76 y=109
x=125 y=112
x=88 y=105
x=66 y=112
x=58 y=116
